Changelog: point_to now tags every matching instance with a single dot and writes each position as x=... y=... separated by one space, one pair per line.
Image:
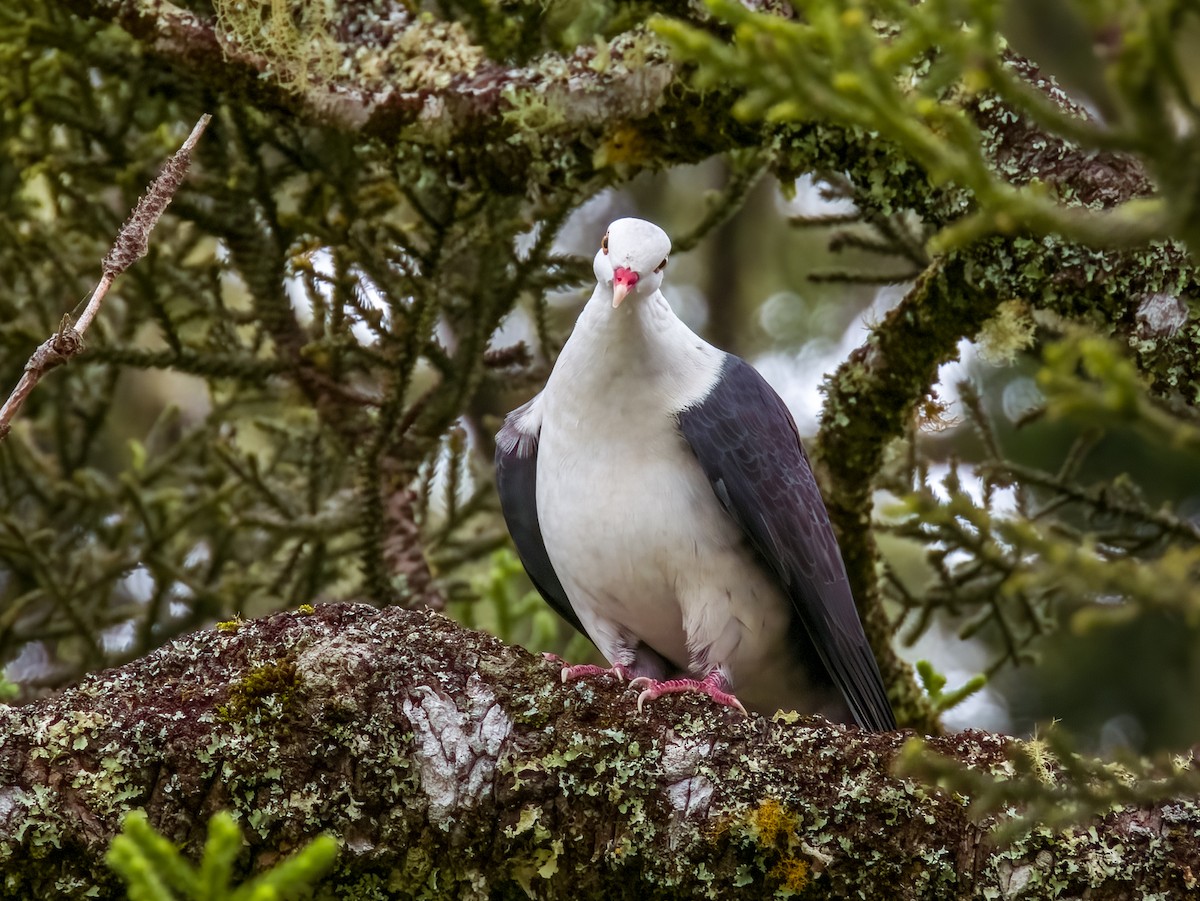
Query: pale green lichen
x=430 y=54
x=1010 y=331
x=296 y=39
x=299 y=42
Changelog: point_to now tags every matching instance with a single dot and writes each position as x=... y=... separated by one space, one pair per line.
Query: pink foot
x=714 y=685
x=571 y=673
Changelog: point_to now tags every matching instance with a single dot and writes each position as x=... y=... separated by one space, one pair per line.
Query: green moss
x=268 y=688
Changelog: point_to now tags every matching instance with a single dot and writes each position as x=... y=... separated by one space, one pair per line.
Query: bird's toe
x=582 y=670
x=713 y=685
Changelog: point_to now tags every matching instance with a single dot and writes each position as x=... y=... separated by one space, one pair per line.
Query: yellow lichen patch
x=230 y=625
x=770 y=820
x=623 y=145
x=793 y=874
x=772 y=833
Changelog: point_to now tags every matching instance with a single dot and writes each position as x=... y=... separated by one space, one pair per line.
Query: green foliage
x=1044 y=782
x=921 y=75
x=1035 y=569
x=1072 y=545
x=154 y=870
x=1087 y=379
x=935 y=685
x=1102 y=553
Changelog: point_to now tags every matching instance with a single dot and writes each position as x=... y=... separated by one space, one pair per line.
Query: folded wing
x=748 y=445
x=516 y=483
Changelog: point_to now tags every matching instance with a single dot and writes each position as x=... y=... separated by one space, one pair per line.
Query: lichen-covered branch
x=380 y=69
x=451 y=765
x=870 y=400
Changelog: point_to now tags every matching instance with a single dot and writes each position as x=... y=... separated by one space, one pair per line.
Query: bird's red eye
x=662 y=265
x=604 y=244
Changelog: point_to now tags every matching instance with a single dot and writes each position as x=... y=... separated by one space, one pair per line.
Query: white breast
x=616 y=506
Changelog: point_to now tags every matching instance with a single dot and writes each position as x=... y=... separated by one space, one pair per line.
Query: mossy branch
x=446 y=763
x=405 y=74
x=870 y=401
x=915 y=74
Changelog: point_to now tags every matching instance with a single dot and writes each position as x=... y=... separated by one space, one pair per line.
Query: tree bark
x=451 y=765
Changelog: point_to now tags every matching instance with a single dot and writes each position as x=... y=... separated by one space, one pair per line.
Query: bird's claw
x=713 y=685
x=571 y=673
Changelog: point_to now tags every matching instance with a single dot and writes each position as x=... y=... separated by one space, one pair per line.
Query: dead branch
x=129 y=247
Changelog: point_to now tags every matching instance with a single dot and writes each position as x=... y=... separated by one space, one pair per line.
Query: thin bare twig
x=129 y=247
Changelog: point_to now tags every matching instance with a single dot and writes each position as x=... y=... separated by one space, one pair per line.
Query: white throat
x=640 y=355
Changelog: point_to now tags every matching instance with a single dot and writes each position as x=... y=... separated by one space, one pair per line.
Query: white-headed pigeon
x=660 y=500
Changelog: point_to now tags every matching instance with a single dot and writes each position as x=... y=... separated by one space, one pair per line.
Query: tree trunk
x=451 y=765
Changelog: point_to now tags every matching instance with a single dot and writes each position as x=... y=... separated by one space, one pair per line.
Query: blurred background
x=292 y=399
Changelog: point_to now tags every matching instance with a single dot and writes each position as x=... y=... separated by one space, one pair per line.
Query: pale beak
x=623 y=282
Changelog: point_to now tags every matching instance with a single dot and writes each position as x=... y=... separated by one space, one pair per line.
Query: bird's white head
x=632 y=258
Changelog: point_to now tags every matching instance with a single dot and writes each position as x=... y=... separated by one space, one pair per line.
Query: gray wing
x=747 y=443
x=516 y=483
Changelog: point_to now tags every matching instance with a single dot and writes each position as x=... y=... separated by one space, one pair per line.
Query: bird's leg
x=571 y=673
x=715 y=685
